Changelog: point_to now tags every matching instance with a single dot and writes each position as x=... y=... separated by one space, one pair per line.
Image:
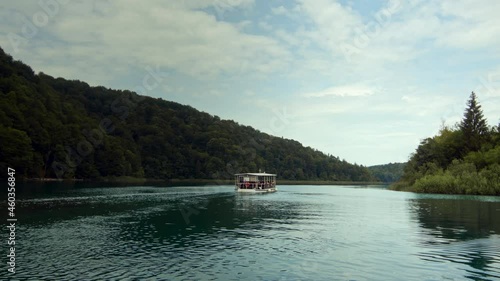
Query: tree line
x=57 y=128
x=388 y=173
x=464 y=159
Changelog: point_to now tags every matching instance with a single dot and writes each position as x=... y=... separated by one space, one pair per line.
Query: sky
x=362 y=80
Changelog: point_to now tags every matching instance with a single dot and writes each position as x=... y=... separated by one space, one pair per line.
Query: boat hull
x=254 y=190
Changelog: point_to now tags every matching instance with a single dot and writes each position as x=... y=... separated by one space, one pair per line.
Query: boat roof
x=255 y=174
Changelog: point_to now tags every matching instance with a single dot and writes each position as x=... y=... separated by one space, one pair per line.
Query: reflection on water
x=457 y=218
x=213 y=233
x=462 y=230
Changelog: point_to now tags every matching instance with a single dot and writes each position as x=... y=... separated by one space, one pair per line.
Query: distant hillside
x=391 y=172
x=52 y=127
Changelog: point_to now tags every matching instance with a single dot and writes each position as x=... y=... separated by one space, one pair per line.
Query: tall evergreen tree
x=473 y=125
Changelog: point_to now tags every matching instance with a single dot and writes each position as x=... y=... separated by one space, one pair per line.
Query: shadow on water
x=156 y=215
x=460 y=229
x=228 y=215
x=36 y=189
x=39 y=204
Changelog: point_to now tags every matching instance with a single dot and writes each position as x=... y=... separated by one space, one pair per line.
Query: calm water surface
x=212 y=233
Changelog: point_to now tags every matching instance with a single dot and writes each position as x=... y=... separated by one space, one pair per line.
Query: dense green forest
x=55 y=128
x=464 y=159
x=387 y=173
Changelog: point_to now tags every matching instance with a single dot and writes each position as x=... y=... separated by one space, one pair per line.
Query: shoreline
x=132 y=180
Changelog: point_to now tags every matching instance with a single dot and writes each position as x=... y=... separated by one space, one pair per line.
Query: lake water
x=212 y=233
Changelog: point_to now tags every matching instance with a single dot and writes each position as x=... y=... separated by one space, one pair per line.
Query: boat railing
x=253 y=185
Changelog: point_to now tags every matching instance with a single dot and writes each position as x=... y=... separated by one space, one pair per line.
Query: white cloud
x=334 y=23
x=287 y=37
x=471 y=26
x=279 y=10
x=174 y=36
x=409 y=99
x=265 y=25
x=403 y=74
x=343 y=91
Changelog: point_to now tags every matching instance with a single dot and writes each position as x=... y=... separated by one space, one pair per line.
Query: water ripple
x=323 y=233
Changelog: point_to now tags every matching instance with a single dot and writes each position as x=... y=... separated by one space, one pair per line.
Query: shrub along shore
x=464 y=159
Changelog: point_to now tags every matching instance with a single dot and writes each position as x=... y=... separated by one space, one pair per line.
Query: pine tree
x=473 y=125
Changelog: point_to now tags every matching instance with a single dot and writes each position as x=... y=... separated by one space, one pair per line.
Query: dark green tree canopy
x=388 y=172
x=51 y=127
x=464 y=160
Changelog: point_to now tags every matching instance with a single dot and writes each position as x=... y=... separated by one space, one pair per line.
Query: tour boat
x=255 y=182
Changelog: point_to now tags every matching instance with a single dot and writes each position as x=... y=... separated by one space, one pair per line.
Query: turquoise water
x=212 y=233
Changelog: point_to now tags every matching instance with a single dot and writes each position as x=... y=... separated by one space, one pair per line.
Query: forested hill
x=56 y=128
x=391 y=172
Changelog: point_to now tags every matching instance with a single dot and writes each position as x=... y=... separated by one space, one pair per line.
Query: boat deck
x=255 y=182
